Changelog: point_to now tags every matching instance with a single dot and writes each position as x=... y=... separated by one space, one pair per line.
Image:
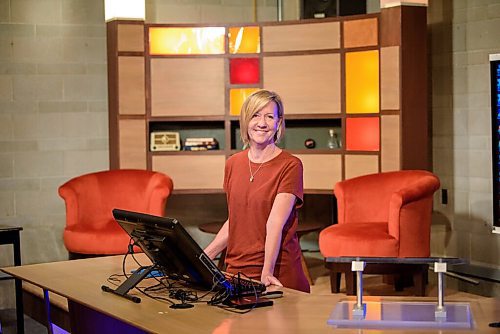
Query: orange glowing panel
x=186 y=41
x=362 y=134
x=237 y=97
x=244 y=40
x=362 y=82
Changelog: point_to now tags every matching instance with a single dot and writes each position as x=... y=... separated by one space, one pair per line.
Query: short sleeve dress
x=249 y=205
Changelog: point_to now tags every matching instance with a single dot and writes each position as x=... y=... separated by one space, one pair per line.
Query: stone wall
x=462 y=34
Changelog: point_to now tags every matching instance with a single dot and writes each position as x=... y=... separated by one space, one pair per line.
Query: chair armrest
x=417 y=191
x=70 y=200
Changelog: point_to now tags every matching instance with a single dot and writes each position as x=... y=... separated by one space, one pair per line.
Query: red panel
x=363 y=134
x=244 y=70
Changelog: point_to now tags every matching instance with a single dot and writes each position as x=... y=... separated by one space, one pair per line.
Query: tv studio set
x=249 y=166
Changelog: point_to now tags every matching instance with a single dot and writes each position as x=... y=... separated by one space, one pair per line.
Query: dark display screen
x=495 y=122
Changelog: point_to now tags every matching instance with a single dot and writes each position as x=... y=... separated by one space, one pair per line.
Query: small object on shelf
x=201 y=144
x=310 y=143
x=165 y=141
x=333 y=141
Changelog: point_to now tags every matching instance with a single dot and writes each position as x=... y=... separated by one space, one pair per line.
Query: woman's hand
x=269 y=279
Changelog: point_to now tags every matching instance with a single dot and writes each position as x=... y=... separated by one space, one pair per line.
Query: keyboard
x=242 y=286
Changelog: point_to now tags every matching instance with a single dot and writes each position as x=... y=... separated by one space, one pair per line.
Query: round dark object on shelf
x=310 y=143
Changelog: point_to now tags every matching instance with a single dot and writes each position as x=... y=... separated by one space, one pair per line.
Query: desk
x=80 y=281
x=10 y=235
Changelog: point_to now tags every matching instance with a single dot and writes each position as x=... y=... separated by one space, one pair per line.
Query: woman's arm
x=219 y=243
x=282 y=207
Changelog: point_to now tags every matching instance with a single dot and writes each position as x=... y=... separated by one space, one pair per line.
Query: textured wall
x=53 y=108
x=462 y=35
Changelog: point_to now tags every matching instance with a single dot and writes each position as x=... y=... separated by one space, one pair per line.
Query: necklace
x=252 y=174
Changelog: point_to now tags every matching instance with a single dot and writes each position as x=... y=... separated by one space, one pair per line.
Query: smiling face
x=262 y=118
x=263 y=125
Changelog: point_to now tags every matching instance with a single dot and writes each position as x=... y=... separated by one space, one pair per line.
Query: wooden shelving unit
x=326 y=71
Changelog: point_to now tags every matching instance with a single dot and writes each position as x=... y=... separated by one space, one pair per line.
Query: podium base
x=385 y=314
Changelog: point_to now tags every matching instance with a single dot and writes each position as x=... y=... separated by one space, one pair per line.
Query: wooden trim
x=390 y=26
x=112 y=50
x=416 y=141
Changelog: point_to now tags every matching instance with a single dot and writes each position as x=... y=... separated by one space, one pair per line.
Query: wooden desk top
x=296 y=312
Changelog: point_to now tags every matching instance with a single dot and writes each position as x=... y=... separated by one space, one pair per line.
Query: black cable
x=218 y=299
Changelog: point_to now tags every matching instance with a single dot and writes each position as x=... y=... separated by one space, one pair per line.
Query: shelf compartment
x=192 y=129
x=297 y=131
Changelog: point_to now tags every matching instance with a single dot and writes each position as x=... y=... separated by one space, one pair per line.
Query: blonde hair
x=255 y=103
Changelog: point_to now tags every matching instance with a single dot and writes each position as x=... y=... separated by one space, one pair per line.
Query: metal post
x=280 y=10
x=359 y=289
x=440 y=269
x=359 y=309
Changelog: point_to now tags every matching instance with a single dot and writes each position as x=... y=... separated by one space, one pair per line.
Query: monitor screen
x=495 y=135
x=170 y=247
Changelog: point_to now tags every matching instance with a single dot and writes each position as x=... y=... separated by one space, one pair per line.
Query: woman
x=264 y=188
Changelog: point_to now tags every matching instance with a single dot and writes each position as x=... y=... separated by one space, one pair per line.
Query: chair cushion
x=96 y=242
x=358 y=239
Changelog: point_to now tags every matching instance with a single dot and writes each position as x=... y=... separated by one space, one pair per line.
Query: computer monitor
x=170 y=247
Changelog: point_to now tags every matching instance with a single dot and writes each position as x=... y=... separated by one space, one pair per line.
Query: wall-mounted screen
x=495 y=134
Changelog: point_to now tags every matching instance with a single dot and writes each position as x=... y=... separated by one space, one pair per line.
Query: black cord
x=178 y=292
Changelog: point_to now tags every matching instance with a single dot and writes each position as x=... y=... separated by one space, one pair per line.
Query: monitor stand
x=130 y=283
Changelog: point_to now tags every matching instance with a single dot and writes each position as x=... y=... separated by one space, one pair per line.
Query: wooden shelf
x=312 y=64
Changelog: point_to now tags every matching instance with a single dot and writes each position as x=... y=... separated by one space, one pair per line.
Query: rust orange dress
x=249 y=206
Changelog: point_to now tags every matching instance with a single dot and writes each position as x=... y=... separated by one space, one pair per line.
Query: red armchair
x=90 y=228
x=380 y=215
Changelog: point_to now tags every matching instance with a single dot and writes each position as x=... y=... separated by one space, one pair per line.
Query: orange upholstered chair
x=90 y=228
x=381 y=215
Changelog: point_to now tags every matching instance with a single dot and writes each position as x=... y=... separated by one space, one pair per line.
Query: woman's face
x=264 y=124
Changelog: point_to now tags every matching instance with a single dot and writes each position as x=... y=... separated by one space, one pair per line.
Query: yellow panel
x=362 y=82
x=237 y=97
x=208 y=40
x=244 y=40
x=308 y=84
x=321 y=171
x=192 y=172
x=357 y=165
x=390 y=145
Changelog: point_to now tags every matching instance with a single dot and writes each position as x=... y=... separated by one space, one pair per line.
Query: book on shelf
x=200 y=144
x=200 y=140
x=199 y=148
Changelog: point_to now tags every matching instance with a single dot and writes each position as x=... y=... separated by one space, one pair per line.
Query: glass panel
x=244 y=70
x=237 y=97
x=208 y=40
x=244 y=40
x=363 y=134
x=361 y=82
